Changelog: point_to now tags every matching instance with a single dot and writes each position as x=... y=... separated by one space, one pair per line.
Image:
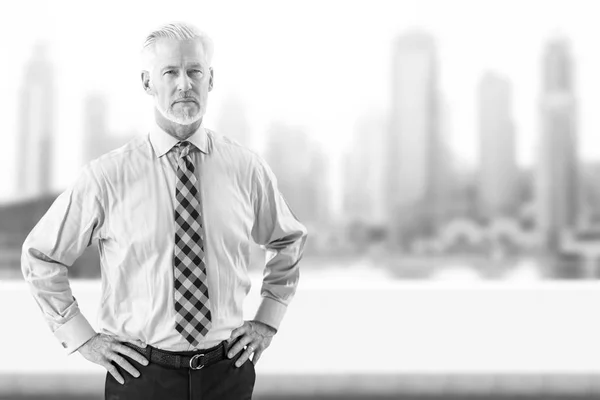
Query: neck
x=178 y=131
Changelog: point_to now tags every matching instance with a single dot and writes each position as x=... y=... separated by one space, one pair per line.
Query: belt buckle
x=196 y=357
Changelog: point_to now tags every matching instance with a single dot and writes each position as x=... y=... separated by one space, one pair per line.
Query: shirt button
x=64 y=345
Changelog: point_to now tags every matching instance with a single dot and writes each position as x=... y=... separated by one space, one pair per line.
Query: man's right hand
x=102 y=349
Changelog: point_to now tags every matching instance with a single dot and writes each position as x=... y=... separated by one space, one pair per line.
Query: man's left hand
x=252 y=337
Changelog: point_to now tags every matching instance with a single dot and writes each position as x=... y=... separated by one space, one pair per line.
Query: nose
x=184 y=82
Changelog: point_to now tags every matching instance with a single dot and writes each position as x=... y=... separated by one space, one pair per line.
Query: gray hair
x=178 y=31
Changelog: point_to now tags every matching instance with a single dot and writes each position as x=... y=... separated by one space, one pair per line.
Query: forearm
x=281 y=278
x=50 y=288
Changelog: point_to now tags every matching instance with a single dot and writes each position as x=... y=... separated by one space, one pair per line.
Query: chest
x=142 y=203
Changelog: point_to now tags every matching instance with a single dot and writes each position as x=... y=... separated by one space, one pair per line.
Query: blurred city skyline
x=395 y=172
x=320 y=80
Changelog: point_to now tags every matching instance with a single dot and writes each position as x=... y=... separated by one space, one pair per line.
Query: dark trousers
x=221 y=380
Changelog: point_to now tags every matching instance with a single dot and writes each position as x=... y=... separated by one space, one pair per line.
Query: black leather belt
x=195 y=360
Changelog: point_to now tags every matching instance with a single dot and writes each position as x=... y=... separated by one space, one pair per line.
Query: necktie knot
x=184 y=149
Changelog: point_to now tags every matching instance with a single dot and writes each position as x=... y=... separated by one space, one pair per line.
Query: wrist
x=271 y=331
x=86 y=342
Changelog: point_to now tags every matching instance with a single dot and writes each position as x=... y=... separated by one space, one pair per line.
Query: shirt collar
x=162 y=142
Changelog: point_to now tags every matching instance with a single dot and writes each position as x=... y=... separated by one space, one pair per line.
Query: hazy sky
x=317 y=64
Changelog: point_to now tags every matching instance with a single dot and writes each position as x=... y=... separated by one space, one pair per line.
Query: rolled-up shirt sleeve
x=277 y=228
x=71 y=223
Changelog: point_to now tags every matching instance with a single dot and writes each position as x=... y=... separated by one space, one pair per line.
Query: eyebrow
x=193 y=65
x=163 y=69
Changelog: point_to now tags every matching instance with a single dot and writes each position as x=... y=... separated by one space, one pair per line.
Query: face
x=180 y=80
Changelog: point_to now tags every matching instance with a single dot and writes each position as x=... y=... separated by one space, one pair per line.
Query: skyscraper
x=37 y=110
x=364 y=190
x=557 y=175
x=415 y=152
x=498 y=177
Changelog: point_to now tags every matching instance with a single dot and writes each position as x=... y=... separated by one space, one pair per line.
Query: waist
x=184 y=359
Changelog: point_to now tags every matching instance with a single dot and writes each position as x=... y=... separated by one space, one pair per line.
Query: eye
x=195 y=71
x=169 y=72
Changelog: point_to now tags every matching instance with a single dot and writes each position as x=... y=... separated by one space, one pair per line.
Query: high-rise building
x=498 y=177
x=557 y=180
x=37 y=109
x=363 y=183
x=415 y=152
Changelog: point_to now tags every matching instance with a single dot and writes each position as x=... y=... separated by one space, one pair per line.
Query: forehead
x=173 y=51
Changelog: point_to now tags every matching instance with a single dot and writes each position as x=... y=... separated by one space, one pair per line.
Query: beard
x=182 y=118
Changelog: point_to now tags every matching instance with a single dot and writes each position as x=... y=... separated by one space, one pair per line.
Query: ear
x=146 y=83
x=211 y=79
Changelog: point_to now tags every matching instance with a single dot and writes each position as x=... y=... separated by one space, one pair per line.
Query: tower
x=37 y=109
x=557 y=175
x=498 y=178
x=414 y=159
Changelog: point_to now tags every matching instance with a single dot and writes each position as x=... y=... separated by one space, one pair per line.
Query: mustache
x=187 y=96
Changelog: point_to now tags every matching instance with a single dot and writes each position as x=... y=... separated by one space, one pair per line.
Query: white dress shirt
x=125 y=199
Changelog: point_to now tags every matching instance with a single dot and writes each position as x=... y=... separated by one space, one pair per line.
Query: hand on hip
x=101 y=349
x=253 y=337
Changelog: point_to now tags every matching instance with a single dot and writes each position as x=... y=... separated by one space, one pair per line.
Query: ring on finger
x=251 y=348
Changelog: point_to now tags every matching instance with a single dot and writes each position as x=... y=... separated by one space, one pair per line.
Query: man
x=173 y=213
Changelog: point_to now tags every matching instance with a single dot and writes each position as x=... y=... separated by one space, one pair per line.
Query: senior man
x=174 y=213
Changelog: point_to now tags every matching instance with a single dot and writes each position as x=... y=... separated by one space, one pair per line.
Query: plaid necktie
x=193 y=318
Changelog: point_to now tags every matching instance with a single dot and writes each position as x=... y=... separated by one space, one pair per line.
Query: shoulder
x=232 y=152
